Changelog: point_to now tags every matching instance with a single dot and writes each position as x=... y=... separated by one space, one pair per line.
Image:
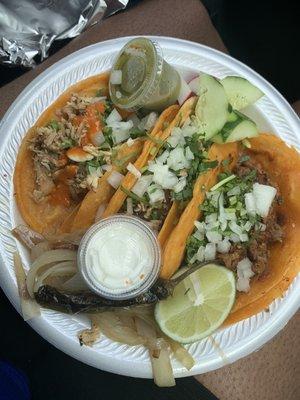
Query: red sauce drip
x=61 y=194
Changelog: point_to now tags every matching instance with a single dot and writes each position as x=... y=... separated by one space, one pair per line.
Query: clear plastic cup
x=148 y=81
x=119 y=257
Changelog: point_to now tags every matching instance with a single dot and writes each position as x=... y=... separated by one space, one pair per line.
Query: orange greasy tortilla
x=282 y=163
x=173 y=116
x=174 y=250
x=44 y=217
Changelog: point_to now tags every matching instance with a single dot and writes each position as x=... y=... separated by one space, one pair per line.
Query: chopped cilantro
x=225 y=162
x=100 y=92
x=244 y=158
x=152 y=190
x=251 y=176
x=136 y=132
x=155 y=214
x=192 y=247
x=108 y=108
x=54 y=125
x=94 y=164
x=133 y=196
x=205 y=166
x=67 y=143
x=107 y=132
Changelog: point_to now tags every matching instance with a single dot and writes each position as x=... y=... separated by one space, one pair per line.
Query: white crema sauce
x=119 y=257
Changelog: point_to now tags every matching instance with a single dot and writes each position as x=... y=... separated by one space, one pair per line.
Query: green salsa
x=147 y=81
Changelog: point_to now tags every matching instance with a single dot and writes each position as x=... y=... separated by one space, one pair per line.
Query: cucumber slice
x=246 y=129
x=232 y=117
x=237 y=127
x=217 y=139
x=212 y=106
x=240 y=91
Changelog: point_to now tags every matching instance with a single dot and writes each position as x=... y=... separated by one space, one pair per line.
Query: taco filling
x=239 y=221
x=72 y=152
x=170 y=177
x=80 y=143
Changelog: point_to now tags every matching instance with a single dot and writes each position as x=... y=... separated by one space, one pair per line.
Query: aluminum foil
x=29 y=27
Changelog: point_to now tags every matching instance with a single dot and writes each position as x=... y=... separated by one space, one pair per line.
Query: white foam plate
x=272 y=113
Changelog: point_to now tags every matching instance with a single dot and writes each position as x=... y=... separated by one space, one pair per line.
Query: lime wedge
x=199 y=305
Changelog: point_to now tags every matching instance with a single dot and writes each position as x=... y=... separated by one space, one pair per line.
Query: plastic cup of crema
x=147 y=80
x=119 y=257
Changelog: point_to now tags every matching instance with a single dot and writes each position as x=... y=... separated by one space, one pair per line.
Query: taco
x=161 y=182
x=247 y=217
x=74 y=157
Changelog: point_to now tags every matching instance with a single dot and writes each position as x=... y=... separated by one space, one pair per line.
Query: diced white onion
x=129 y=206
x=194 y=85
x=188 y=131
x=234 y=238
x=223 y=226
x=189 y=154
x=247 y=226
x=116 y=77
x=106 y=167
x=211 y=218
x=113 y=117
x=200 y=226
x=98 y=138
x=223 y=246
x=176 y=137
x=250 y=203
x=163 y=157
x=244 y=268
x=213 y=237
x=155 y=193
x=134 y=119
x=198 y=235
x=264 y=196
x=212 y=225
x=150 y=121
x=131 y=168
x=141 y=185
x=177 y=160
x=201 y=254
x=242 y=285
x=235 y=228
x=234 y=191
x=222 y=214
x=244 y=273
x=184 y=92
x=162 y=176
x=230 y=216
x=210 y=251
x=180 y=185
x=193 y=259
x=244 y=237
x=115 y=179
x=120 y=130
x=130 y=142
